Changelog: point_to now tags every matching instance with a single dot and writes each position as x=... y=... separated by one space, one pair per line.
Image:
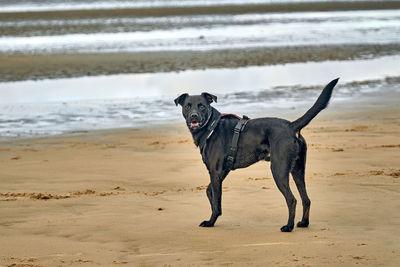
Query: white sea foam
x=263 y=18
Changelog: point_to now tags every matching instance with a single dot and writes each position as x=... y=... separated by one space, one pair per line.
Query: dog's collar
x=211 y=127
x=209 y=132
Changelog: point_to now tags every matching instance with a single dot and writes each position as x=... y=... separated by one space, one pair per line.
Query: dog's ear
x=179 y=100
x=210 y=98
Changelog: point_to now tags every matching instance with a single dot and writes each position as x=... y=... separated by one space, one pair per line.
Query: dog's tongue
x=194 y=124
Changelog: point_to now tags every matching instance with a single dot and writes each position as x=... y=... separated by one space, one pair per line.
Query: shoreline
x=342 y=111
x=52 y=107
x=53 y=66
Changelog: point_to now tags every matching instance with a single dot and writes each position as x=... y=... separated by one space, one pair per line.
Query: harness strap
x=230 y=160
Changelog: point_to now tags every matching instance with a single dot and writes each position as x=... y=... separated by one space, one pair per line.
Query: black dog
x=271 y=139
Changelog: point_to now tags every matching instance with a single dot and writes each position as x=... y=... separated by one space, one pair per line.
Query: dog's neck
x=200 y=136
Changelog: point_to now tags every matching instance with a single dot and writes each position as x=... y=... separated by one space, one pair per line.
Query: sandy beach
x=136 y=196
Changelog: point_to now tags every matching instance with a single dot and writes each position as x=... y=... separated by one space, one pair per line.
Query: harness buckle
x=229 y=162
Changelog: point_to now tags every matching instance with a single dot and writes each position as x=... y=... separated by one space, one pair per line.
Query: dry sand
x=136 y=197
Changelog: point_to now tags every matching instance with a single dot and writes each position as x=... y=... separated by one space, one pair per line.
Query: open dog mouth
x=194 y=124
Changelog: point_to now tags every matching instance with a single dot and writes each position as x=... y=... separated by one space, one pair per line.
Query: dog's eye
x=188 y=106
x=201 y=107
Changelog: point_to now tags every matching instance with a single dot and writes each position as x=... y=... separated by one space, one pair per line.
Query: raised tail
x=320 y=104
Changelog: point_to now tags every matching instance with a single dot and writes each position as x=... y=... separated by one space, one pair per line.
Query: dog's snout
x=194 y=116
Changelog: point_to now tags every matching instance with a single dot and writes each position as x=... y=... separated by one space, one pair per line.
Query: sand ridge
x=50 y=66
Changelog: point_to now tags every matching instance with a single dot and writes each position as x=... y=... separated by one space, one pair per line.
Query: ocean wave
x=261 y=31
x=52 y=27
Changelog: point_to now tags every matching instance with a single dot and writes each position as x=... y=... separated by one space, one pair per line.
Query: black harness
x=230 y=160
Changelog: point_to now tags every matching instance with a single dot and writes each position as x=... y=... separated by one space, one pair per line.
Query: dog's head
x=196 y=109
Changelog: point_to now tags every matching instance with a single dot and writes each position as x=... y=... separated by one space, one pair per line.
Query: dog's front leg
x=214 y=194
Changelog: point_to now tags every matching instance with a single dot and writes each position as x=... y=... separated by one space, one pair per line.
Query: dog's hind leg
x=281 y=163
x=298 y=172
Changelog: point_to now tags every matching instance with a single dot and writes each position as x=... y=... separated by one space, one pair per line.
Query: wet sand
x=34 y=67
x=136 y=197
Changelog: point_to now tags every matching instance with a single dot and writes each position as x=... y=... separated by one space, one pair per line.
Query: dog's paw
x=286 y=228
x=303 y=223
x=206 y=224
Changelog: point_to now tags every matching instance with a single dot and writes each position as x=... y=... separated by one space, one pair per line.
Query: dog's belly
x=247 y=158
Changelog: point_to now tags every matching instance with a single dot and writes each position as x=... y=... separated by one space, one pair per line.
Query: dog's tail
x=320 y=104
